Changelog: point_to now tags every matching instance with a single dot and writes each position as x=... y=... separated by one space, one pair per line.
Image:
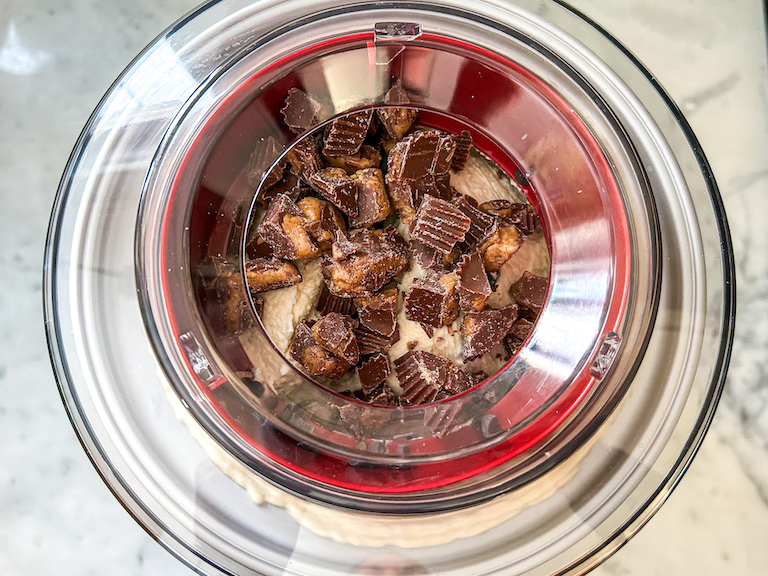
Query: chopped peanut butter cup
x=530 y=290
x=483 y=330
x=463 y=142
x=304 y=158
x=439 y=224
x=432 y=300
x=335 y=185
x=334 y=332
x=373 y=372
x=378 y=313
x=264 y=274
x=323 y=221
x=481 y=223
x=283 y=229
x=346 y=134
x=372 y=198
x=327 y=302
x=422 y=376
x=370 y=342
x=364 y=262
x=474 y=287
x=300 y=111
x=421 y=154
x=500 y=246
x=366 y=157
x=397 y=121
x=315 y=359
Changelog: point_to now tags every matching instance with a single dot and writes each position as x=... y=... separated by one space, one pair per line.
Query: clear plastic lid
x=542 y=467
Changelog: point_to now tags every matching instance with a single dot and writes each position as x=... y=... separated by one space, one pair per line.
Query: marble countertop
x=58 y=58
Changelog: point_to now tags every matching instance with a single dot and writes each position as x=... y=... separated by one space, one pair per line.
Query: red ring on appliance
x=333 y=471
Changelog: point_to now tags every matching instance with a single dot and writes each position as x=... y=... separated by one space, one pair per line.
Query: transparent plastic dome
x=564 y=452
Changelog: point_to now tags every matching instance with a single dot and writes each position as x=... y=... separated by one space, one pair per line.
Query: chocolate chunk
x=368 y=398
x=421 y=376
x=264 y=274
x=458 y=382
x=383 y=396
x=463 y=142
x=501 y=208
x=315 y=359
x=300 y=111
x=500 y=246
x=327 y=303
x=373 y=372
x=481 y=223
x=521 y=328
x=439 y=224
x=474 y=288
x=365 y=262
x=372 y=199
x=304 y=159
x=378 y=312
x=407 y=195
x=431 y=300
x=229 y=287
x=397 y=121
x=525 y=218
x=323 y=221
x=366 y=157
x=421 y=154
x=371 y=342
x=289 y=184
x=274 y=176
x=427 y=257
x=530 y=291
x=346 y=134
x=334 y=332
x=335 y=185
x=258 y=248
x=482 y=331
x=429 y=330
x=264 y=154
x=517 y=334
x=522 y=215
x=283 y=229
x=402 y=195
x=511 y=344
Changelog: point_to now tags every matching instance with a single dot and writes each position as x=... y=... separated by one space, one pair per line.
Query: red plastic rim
x=516 y=406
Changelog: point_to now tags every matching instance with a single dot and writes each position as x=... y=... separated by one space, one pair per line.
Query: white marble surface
x=56 y=59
